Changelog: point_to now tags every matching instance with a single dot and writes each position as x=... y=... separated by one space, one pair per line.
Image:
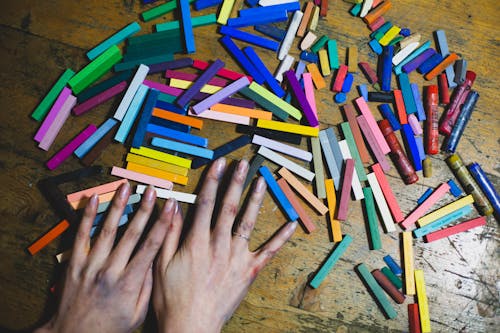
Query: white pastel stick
x=222 y=116
x=167 y=194
x=265 y=3
x=282 y=148
x=285 y=65
x=367 y=5
x=308 y=40
x=286 y=44
x=381 y=203
x=136 y=82
x=405 y=52
x=355 y=184
x=284 y=162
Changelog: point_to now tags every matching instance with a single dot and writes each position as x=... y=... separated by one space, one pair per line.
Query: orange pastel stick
x=448 y=61
x=241 y=111
x=178 y=118
x=377 y=12
x=305 y=19
x=79 y=204
x=104 y=188
x=332 y=205
x=52 y=234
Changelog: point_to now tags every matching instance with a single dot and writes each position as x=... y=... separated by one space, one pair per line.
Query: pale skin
x=195 y=286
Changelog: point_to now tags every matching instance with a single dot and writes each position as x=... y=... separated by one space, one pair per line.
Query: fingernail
x=220 y=165
x=290 y=228
x=124 y=189
x=242 y=167
x=169 y=204
x=261 y=185
x=94 y=200
x=150 y=193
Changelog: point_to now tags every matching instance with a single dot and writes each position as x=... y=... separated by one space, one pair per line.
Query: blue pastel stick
x=271 y=31
x=411 y=146
x=418 y=102
x=309 y=56
x=393 y=266
x=340 y=97
x=430 y=63
x=123 y=220
x=278 y=194
x=252 y=3
x=330 y=158
x=405 y=32
x=242 y=59
x=202 y=4
x=486 y=185
x=420 y=146
x=177 y=135
x=363 y=91
x=131 y=114
x=239 y=22
x=288 y=97
x=170 y=107
x=301 y=67
x=454 y=189
x=334 y=145
x=375 y=46
x=261 y=67
x=187 y=26
x=404 y=85
x=99 y=217
x=266 y=10
x=442 y=221
x=147 y=111
x=170 y=124
x=222 y=150
x=183 y=148
x=421 y=49
x=388 y=114
x=250 y=38
x=85 y=147
x=425 y=195
x=386 y=71
x=347 y=85
x=117 y=38
x=461 y=122
x=382 y=30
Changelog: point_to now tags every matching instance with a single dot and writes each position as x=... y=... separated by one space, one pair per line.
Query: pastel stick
x=220 y=95
x=278 y=194
x=86 y=146
x=134 y=85
x=57 y=123
x=330 y=159
x=301 y=98
x=146 y=114
x=346 y=190
x=223 y=150
x=261 y=67
x=67 y=150
x=132 y=112
x=330 y=261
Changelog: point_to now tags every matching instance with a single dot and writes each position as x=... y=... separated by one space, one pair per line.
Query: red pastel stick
x=431 y=123
x=389 y=288
x=400 y=106
x=413 y=318
x=464 y=226
x=345 y=194
x=339 y=78
x=444 y=89
x=308 y=224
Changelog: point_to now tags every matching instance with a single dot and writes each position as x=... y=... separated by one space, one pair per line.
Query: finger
x=144 y=257
x=205 y=202
x=247 y=223
x=171 y=241
x=229 y=209
x=121 y=254
x=82 y=239
x=144 y=297
x=269 y=250
x=104 y=243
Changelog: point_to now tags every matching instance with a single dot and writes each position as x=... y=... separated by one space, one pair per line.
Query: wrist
x=188 y=324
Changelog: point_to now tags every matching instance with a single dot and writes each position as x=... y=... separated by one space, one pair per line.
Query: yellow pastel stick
x=331 y=197
x=423 y=306
x=324 y=63
x=445 y=210
x=161 y=156
x=352 y=59
x=178 y=179
x=278 y=102
x=185 y=84
x=389 y=35
x=142 y=160
x=408 y=263
x=287 y=127
x=225 y=11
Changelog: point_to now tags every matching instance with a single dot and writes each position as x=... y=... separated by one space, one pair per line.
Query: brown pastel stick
x=350 y=114
x=305 y=19
x=389 y=288
x=345 y=194
x=296 y=205
x=99 y=147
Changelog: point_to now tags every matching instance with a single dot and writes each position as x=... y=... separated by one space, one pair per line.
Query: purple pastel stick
x=234 y=101
x=49 y=119
x=99 y=98
x=171 y=74
x=163 y=88
x=301 y=98
x=413 y=64
x=174 y=64
x=221 y=94
x=203 y=79
x=58 y=123
x=67 y=150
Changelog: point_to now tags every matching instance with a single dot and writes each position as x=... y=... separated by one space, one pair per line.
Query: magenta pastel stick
x=47 y=122
x=58 y=123
x=99 y=98
x=67 y=150
x=163 y=88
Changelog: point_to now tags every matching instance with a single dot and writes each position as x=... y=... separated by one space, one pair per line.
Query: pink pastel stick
x=163 y=88
x=67 y=150
x=388 y=194
x=57 y=123
x=99 y=98
x=141 y=178
x=345 y=194
x=382 y=160
x=309 y=90
x=49 y=119
x=426 y=205
x=415 y=125
x=215 y=81
x=379 y=137
x=464 y=226
x=222 y=116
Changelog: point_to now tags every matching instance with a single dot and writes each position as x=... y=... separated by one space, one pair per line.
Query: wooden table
x=40 y=39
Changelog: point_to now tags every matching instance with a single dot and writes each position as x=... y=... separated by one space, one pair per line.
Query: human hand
x=198 y=287
x=106 y=289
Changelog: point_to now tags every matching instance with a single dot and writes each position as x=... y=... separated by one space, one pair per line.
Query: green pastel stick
x=396 y=40
x=330 y=261
x=160 y=10
x=349 y=138
x=395 y=280
x=197 y=21
x=123 y=66
x=95 y=69
x=377 y=291
x=49 y=99
x=166 y=98
x=333 y=54
x=320 y=43
x=266 y=104
x=371 y=214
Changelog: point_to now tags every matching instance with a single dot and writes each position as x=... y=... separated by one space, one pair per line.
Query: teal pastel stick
x=132 y=112
x=382 y=30
x=399 y=68
x=332 y=259
x=197 y=21
x=333 y=53
x=123 y=66
x=85 y=147
x=441 y=222
x=360 y=170
x=377 y=291
x=404 y=85
x=183 y=148
x=117 y=38
x=166 y=98
x=371 y=214
x=395 y=280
